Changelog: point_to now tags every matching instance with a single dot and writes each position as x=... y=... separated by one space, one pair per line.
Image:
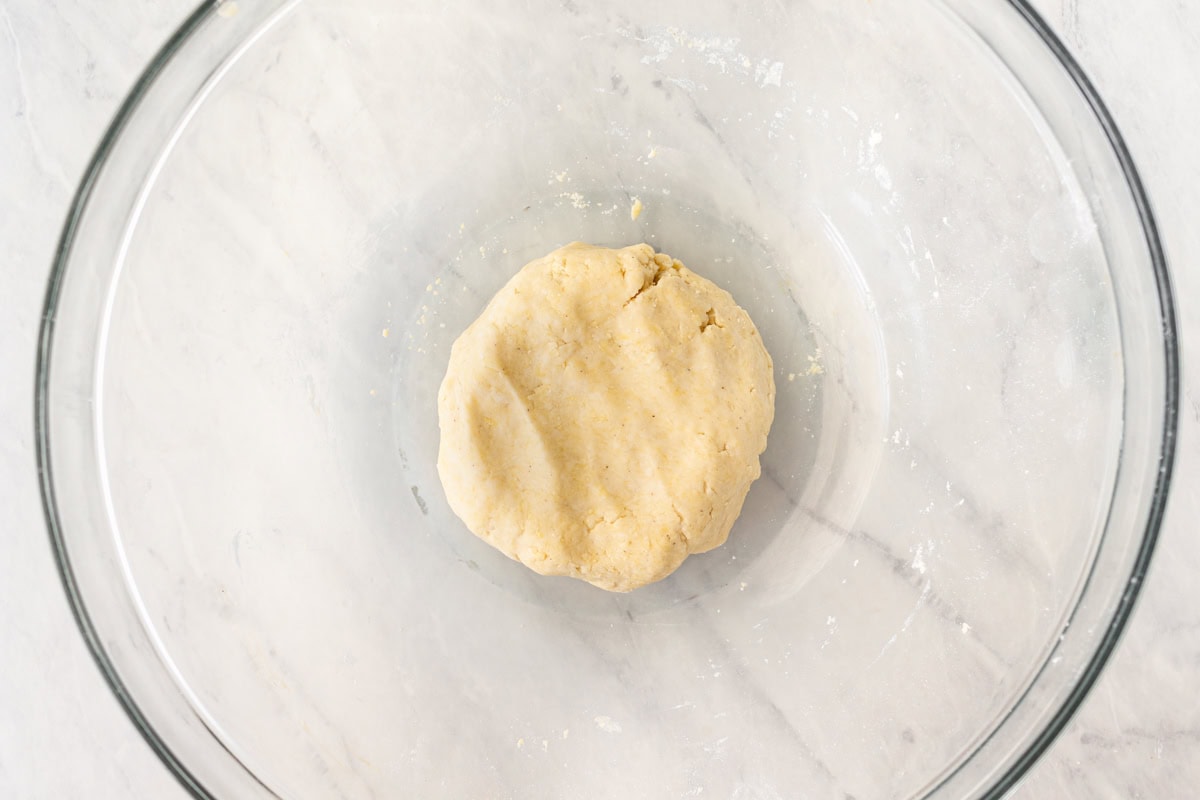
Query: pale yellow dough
x=604 y=416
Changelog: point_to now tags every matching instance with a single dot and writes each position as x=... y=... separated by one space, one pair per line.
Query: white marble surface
x=65 y=67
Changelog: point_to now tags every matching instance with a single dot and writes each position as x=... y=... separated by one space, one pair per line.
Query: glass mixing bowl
x=922 y=204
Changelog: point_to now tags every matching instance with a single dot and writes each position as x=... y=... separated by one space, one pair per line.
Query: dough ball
x=604 y=416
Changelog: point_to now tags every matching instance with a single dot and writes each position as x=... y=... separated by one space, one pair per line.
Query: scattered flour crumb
x=608 y=724
x=814 y=364
x=385 y=333
x=918 y=562
x=577 y=200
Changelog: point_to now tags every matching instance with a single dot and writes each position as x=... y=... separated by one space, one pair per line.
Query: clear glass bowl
x=922 y=204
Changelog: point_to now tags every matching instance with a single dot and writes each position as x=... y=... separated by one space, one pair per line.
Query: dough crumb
x=636 y=210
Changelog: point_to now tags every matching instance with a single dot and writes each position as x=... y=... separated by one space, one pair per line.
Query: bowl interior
x=328 y=193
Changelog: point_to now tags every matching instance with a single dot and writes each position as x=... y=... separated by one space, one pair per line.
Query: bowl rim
x=1007 y=780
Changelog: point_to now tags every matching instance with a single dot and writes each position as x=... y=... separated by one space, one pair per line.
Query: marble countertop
x=65 y=65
